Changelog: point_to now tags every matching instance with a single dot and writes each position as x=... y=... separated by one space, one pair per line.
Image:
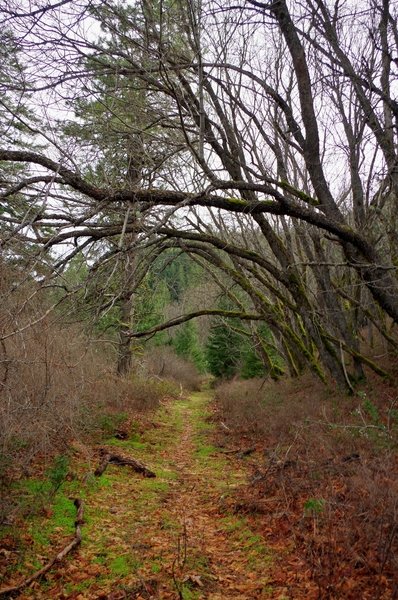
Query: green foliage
x=223 y=351
x=56 y=475
x=150 y=302
x=252 y=365
x=110 y=422
x=314 y=506
x=233 y=349
x=178 y=271
x=371 y=410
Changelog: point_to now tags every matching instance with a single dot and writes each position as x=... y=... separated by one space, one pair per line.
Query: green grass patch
x=133 y=443
x=82 y=586
x=231 y=524
x=253 y=544
x=155 y=485
x=205 y=450
x=169 y=524
x=188 y=593
x=167 y=474
x=121 y=566
x=156 y=567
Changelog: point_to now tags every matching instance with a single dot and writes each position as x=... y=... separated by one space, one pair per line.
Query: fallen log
x=118 y=459
x=10 y=591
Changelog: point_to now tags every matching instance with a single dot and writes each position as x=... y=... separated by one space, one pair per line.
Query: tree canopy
x=259 y=139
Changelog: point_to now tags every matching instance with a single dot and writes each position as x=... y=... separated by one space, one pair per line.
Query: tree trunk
x=124 y=352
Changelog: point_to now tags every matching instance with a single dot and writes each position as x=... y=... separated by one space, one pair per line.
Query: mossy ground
x=174 y=531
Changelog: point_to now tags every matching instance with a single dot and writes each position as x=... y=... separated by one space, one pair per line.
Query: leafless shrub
x=164 y=364
x=133 y=393
x=55 y=384
x=327 y=478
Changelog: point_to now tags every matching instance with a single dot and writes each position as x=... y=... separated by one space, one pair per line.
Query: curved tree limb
x=228 y=314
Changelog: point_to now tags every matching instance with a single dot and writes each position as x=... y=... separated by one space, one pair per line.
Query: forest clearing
x=199 y=299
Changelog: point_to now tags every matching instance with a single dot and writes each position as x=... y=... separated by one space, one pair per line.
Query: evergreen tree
x=223 y=351
x=186 y=344
x=252 y=364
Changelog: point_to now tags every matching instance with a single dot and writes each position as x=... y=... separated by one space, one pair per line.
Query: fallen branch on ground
x=9 y=591
x=241 y=453
x=118 y=459
x=224 y=426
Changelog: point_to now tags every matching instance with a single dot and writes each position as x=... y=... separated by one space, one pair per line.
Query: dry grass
x=326 y=481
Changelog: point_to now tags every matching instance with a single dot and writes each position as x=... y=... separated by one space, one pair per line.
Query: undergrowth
x=325 y=478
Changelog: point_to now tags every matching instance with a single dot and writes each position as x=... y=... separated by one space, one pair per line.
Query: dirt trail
x=170 y=537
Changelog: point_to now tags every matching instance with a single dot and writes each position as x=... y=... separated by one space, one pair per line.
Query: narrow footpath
x=169 y=537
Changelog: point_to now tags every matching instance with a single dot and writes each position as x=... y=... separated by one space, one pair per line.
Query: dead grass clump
x=164 y=364
x=241 y=404
x=325 y=479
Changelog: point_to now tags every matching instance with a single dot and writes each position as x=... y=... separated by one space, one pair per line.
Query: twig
x=240 y=453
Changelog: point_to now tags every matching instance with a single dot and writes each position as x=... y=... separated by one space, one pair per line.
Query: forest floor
x=173 y=536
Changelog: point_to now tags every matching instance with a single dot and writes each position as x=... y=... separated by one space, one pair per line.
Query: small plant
x=371 y=410
x=314 y=506
x=110 y=422
x=57 y=474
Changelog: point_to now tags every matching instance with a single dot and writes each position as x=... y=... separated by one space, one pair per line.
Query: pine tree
x=186 y=344
x=223 y=352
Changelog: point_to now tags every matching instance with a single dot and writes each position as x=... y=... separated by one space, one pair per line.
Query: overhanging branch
x=228 y=314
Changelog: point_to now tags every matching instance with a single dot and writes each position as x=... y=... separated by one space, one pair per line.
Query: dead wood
x=10 y=591
x=224 y=426
x=102 y=466
x=118 y=459
x=241 y=453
